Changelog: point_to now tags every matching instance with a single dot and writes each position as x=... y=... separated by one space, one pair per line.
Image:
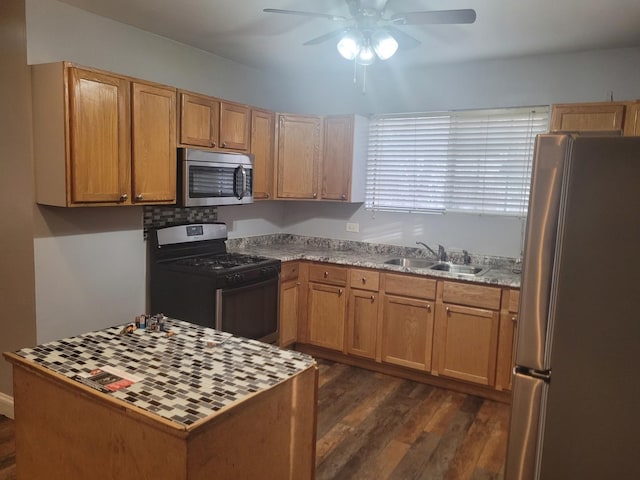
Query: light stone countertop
x=287 y=248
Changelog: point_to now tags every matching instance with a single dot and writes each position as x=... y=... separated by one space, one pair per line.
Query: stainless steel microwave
x=214 y=178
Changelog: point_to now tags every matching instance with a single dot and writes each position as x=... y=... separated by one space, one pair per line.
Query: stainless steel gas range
x=192 y=277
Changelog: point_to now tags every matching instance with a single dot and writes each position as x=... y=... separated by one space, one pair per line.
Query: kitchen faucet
x=441 y=255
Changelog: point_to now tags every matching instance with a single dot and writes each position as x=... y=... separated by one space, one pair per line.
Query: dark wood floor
x=7 y=450
x=373 y=426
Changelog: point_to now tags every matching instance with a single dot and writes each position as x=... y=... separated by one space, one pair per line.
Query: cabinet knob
x=364 y=280
x=326 y=274
x=373 y=298
x=340 y=291
x=139 y=197
x=514 y=319
x=343 y=196
x=448 y=310
x=429 y=307
x=267 y=195
x=224 y=144
x=213 y=144
x=123 y=197
x=315 y=195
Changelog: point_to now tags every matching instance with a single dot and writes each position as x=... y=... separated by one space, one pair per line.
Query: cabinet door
x=99 y=134
x=632 y=120
x=298 y=156
x=362 y=323
x=289 y=307
x=589 y=117
x=234 y=126
x=199 y=120
x=465 y=343
x=337 y=157
x=262 y=144
x=407 y=332
x=154 y=143
x=326 y=316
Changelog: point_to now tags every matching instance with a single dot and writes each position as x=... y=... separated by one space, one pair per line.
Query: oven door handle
x=244 y=182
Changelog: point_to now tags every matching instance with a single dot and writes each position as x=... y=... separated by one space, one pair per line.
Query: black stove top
x=220 y=262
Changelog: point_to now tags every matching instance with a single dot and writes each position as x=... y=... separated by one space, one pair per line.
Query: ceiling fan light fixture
x=384 y=44
x=350 y=44
x=366 y=56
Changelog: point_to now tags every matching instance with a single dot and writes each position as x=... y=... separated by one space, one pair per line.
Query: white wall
x=90 y=266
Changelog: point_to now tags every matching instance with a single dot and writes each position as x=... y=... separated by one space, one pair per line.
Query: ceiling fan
x=368 y=33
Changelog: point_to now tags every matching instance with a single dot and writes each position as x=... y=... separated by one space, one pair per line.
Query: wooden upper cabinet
x=101 y=138
x=632 y=120
x=299 y=151
x=262 y=148
x=234 y=126
x=588 y=117
x=336 y=157
x=99 y=135
x=199 y=120
x=344 y=157
x=154 y=143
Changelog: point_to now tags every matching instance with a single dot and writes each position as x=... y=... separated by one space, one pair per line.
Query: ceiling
x=239 y=30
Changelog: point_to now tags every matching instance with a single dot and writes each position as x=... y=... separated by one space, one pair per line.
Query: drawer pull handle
x=340 y=291
x=448 y=310
x=364 y=280
x=326 y=274
x=373 y=298
x=429 y=307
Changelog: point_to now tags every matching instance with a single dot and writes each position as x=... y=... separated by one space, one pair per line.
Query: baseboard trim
x=6 y=405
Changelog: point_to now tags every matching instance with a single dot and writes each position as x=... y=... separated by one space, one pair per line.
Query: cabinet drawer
x=364 y=279
x=514 y=300
x=332 y=275
x=410 y=286
x=472 y=295
x=289 y=271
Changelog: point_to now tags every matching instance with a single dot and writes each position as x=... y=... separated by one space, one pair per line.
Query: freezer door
x=551 y=157
x=527 y=415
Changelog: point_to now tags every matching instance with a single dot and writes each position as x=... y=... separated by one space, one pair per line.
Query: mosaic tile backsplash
x=158 y=216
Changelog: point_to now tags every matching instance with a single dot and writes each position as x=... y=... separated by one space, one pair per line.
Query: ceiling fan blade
x=405 y=41
x=435 y=17
x=325 y=37
x=305 y=14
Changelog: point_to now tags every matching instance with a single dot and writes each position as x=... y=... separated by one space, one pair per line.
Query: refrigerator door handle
x=544 y=375
x=527 y=420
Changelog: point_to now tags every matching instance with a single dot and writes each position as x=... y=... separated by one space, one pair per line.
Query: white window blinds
x=475 y=161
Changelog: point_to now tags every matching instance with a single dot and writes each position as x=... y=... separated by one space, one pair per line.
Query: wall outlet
x=353 y=227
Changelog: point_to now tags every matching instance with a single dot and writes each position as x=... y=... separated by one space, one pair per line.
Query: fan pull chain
x=355 y=71
x=364 y=79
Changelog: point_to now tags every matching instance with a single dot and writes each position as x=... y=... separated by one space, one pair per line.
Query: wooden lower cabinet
x=507 y=339
x=362 y=323
x=326 y=311
x=465 y=343
x=289 y=306
x=460 y=333
x=407 y=332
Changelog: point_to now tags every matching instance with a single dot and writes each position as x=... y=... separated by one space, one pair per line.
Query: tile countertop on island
x=187 y=377
x=286 y=247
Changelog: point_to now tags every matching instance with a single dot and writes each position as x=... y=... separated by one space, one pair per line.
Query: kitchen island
x=194 y=403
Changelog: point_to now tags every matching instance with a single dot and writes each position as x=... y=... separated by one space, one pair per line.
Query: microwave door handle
x=244 y=181
x=235 y=183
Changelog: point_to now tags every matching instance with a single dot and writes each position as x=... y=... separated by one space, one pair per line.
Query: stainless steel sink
x=411 y=262
x=473 y=270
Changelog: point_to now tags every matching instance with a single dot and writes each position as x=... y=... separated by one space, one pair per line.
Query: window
x=474 y=161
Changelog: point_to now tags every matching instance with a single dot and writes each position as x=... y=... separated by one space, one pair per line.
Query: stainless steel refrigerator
x=576 y=395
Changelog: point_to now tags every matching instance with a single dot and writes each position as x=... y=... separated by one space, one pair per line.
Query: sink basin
x=411 y=262
x=473 y=270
